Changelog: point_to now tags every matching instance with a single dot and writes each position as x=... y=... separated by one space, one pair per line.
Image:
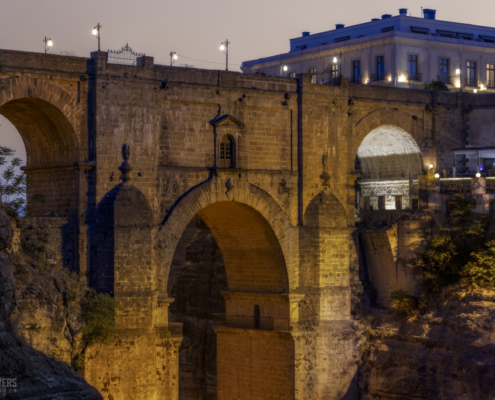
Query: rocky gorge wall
x=37 y=372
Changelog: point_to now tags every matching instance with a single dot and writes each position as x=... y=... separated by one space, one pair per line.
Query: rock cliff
x=447 y=353
x=36 y=375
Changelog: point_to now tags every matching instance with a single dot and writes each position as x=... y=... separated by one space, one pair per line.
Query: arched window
x=227 y=158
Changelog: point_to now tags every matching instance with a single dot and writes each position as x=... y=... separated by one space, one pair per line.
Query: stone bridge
x=269 y=164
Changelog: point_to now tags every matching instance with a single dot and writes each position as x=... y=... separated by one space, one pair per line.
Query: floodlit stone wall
x=282 y=217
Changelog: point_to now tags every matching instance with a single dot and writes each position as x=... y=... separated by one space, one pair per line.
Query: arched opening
x=389 y=161
x=228 y=267
x=52 y=150
x=227 y=152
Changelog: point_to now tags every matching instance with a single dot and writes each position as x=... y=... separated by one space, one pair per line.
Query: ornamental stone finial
x=125 y=167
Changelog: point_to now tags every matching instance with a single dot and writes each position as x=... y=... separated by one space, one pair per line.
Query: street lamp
x=224 y=46
x=173 y=57
x=48 y=43
x=335 y=60
x=96 y=33
x=286 y=68
x=458 y=73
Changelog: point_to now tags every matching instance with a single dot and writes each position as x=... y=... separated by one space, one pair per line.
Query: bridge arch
x=254 y=235
x=45 y=117
x=387 y=154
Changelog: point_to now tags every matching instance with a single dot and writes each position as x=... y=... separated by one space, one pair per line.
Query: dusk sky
x=195 y=29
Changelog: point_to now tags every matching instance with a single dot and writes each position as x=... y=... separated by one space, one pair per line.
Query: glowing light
x=402 y=78
x=335 y=60
x=286 y=68
x=430 y=166
x=437 y=176
x=222 y=47
x=478 y=175
x=176 y=56
x=390 y=78
x=475 y=90
x=95 y=32
x=457 y=71
x=458 y=84
x=49 y=43
x=482 y=87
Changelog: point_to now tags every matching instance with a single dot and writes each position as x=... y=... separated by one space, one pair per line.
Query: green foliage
x=438 y=263
x=463 y=207
x=480 y=271
x=79 y=362
x=437 y=85
x=403 y=302
x=41 y=261
x=99 y=316
x=12 y=186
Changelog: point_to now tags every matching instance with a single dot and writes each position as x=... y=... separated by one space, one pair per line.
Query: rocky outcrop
x=197 y=277
x=28 y=373
x=447 y=353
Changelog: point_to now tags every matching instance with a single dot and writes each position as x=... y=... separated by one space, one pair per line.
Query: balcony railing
x=471 y=82
x=445 y=79
x=175 y=329
x=377 y=77
x=418 y=77
x=490 y=84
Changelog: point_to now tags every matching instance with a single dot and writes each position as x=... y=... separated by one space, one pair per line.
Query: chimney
x=375 y=19
x=305 y=33
x=339 y=26
x=429 y=14
x=386 y=16
x=402 y=11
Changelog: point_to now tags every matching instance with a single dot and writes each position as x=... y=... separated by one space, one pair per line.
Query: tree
x=12 y=186
x=437 y=85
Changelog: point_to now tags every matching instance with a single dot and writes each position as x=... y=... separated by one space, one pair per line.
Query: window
x=356 y=71
x=292 y=75
x=443 y=70
x=412 y=68
x=334 y=71
x=380 y=68
x=312 y=72
x=227 y=152
x=471 y=74
x=490 y=75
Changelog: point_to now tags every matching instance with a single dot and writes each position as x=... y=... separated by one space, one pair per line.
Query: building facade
x=400 y=51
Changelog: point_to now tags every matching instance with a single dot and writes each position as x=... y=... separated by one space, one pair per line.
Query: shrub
x=79 y=362
x=437 y=85
x=41 y=261
x=403 y=302
x=480 y=271
x=439 y=264
x=99 y=317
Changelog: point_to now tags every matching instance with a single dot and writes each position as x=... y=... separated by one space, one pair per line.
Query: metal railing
x=445 y=79
x=175 y=329
x=377 y=77
x=490 y=84
x=415 y=77
x=471 y=82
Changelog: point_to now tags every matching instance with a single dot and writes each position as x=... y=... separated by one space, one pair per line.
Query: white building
x=400 y=51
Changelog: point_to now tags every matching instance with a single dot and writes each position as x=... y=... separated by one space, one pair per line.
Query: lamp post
x=48 y=43
x=173 y=57
x=224 y=46
x=96 y=33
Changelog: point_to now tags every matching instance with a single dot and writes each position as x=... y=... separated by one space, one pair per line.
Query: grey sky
x=195 y=29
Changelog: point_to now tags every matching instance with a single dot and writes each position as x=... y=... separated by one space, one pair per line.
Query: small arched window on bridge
x=227 y=154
